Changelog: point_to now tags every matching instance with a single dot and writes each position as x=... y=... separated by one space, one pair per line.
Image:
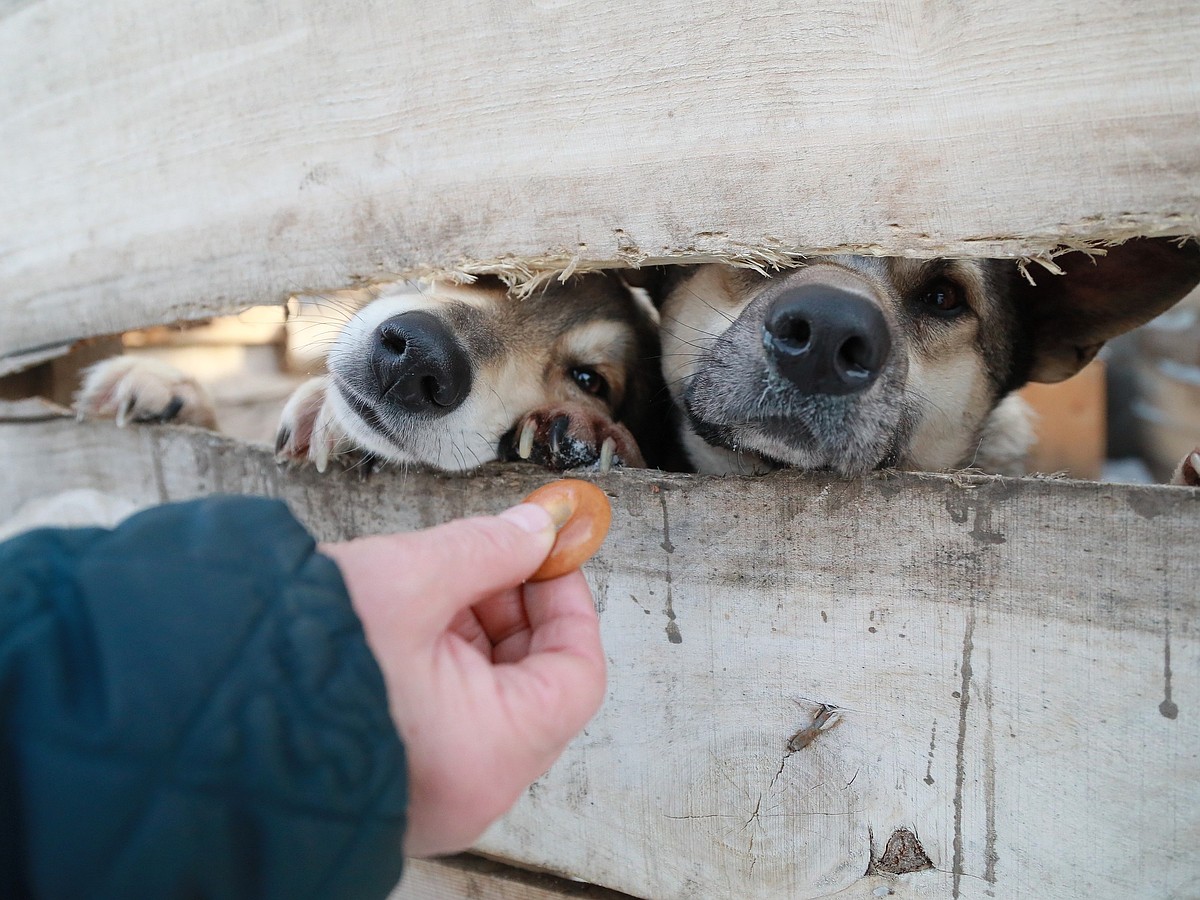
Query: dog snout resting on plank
x=453 y=376
x=852 y=363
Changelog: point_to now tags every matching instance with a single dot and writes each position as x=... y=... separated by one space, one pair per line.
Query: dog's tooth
x=525 y=444
x=607 y=449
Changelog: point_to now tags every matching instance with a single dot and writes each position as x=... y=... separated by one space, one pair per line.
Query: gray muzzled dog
x=853 y=363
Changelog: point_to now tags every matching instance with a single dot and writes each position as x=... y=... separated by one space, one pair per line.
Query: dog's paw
x=139 y=389
x=1188 y=471
x=568 y=436
x=307 y=430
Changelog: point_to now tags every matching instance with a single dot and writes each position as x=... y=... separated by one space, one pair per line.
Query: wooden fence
x=922 y=685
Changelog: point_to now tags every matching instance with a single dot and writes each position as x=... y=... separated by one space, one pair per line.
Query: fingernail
x=529 y=517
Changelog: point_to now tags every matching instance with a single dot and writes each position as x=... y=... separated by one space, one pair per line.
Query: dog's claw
x=525 y=444
x=124 y=410
x=607 y=449
x=307 y=432
x=320 y=450
x=568 y=436
x=172 y=409
x=1188 y=472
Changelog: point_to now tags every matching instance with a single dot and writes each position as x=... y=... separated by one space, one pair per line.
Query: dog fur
x=566 y=377
x=570 y=367
x=961 y=336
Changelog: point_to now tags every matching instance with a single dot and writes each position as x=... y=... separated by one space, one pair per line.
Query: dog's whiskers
x=720 y=312
x=689 y=325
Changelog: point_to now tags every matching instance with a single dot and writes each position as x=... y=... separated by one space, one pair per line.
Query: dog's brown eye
x=590 y=381
x=943 y=298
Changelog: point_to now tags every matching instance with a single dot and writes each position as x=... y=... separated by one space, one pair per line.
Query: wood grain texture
x=810 y=676
x=166 y=162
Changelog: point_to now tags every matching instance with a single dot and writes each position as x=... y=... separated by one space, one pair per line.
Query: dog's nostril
x=393 y=342
x=786 y=332
x=796 y=333
x=439 y=393
x=855 y=357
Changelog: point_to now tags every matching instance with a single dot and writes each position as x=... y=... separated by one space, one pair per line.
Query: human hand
x=488 y=678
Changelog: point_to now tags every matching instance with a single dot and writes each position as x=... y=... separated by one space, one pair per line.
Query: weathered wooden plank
x=163 y=162
x=1008 y=671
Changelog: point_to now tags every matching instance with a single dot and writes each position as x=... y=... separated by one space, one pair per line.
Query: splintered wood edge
x=524 y=275
x=1034 y=257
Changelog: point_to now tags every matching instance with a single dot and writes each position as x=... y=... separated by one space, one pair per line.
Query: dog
x=853 y=363
x=452 y=377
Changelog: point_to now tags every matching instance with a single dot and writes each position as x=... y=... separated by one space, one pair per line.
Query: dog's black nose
x=419 y=365
x=825 y=339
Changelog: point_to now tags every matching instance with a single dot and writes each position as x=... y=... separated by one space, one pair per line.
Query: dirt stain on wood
x=1168 y=707
x=674 y=635
x=981 y=529
x=929 y=765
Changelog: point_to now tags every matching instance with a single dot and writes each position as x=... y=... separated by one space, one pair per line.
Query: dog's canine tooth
x=525 y=444
x=607 y=449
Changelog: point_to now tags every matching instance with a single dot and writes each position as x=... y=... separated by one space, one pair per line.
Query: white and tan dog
x=452 y=377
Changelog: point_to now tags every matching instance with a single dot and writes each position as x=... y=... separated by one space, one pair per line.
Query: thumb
x=422 y=579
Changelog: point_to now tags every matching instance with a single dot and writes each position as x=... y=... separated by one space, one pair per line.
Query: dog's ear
x=656 y=281
x=1070 y=316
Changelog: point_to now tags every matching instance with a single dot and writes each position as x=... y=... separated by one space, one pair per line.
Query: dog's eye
x=943 y=298
x=590 y=381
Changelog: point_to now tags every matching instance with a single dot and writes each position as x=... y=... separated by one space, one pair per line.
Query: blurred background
x=1131 y=415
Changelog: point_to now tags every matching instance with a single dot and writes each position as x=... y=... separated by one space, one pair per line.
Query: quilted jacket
x=188 y=709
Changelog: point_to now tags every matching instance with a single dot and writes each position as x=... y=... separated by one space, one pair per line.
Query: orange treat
x=582 y=515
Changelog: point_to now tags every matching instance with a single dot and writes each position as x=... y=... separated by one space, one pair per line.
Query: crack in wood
x=990 y=856
x=960 y=773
